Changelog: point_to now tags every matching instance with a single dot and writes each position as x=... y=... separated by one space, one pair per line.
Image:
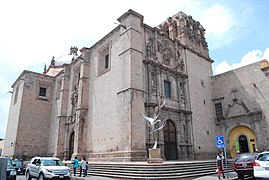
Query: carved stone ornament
x=28 y=81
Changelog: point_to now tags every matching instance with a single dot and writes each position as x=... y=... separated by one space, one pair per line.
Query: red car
x=243 y=164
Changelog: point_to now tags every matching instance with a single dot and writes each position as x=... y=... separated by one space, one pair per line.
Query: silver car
x=47 y=168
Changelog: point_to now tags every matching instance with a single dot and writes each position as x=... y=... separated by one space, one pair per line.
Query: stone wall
x=244 y=96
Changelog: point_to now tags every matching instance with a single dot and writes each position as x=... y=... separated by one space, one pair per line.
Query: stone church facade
x=91 y=106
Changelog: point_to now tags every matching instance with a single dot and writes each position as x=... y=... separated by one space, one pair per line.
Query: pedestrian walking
x=220 y=165
x=83 y=166
x=75 y=165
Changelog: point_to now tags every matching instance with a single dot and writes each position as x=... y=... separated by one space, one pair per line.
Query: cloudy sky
x=33 y=31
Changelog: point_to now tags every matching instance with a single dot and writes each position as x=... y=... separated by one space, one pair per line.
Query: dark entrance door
x=243 y=143
x=170 y=143
x=71 y=145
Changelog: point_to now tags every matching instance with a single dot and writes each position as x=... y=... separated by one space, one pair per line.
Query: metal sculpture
x=154 y=123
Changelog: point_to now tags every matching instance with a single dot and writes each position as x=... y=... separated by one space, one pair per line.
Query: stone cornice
x=153 y=105
x=162 y=67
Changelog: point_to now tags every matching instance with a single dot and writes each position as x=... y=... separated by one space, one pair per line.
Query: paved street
x=22 y=177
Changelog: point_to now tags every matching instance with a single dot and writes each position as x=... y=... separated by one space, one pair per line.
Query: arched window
x=166 y=28
x=175 y=30
x=170 y=141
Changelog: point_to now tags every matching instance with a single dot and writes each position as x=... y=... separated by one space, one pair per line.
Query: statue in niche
x=74 y=100
x=166 y=53
x=181 y=90
x=181 y=65
x=179 y=61
x=154 y=123
x=150 y=48
x=154 y=80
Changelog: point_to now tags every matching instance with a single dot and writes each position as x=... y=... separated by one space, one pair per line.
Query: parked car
x=47 y=168
x=19 y=166
x=261 y=165
x=243 y=164
x=11 y=172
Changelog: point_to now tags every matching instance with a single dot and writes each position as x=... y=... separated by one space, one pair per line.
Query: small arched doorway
x=71 y=145
x=242 y=139
x=243 y=144
x=170 y=141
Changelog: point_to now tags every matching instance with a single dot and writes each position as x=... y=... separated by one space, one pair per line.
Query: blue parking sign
x=220 y=142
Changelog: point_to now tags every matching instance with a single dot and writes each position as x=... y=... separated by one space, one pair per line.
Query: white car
x=261 y=165
x=47 y=168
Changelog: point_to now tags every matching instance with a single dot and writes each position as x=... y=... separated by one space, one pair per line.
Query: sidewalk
x=232 y=176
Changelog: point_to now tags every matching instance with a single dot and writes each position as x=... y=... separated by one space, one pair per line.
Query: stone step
x=166 y=170
x=155 y=171
x=166 y=174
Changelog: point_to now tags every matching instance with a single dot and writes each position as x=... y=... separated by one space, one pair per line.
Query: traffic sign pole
x=220 y=143
x=226 y=166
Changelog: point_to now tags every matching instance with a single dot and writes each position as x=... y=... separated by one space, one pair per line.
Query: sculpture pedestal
x=155 y=156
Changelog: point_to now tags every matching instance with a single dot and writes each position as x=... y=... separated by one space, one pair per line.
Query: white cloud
x=219 y=21
x=248 y=58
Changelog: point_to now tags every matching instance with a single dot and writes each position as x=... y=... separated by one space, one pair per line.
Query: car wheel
x=28 y=176
x=41 y=176
x=240 y=176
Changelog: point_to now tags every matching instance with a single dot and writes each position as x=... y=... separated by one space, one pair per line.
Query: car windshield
x=51 y=162
x=263 y=157
x=245 y=158
x=17 y=163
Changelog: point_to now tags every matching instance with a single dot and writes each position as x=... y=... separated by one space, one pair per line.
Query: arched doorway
x=241 y=140
x=170 y=141
x=71 y=145
x=243 y=143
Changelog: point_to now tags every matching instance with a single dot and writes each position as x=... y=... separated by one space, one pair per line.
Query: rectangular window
x=78 y=77
x=42 y=92
x=106 y=61
x=218 y=109
x=167 y=89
